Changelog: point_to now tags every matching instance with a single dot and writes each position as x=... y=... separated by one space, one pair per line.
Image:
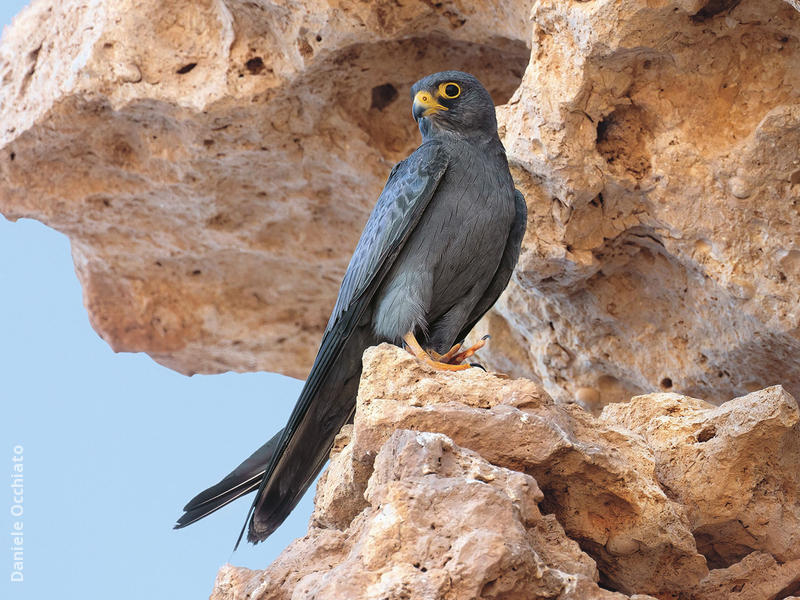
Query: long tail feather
x=326 y=403
x=241 y=481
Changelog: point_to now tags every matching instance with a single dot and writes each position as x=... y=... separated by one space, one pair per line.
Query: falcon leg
x=414 y=348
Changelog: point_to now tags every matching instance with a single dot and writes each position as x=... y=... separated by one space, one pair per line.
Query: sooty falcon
x=435 y=254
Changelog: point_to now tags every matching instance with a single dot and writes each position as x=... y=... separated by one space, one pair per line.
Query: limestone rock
x=756 y=577
x=472 y=485
x=735 y=469
x=441 y=522
x=213 y=161
x=656 y=144
x=340 y=491
x=599 y=482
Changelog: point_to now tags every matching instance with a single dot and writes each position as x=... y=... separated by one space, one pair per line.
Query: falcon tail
x=284 y=468
x=325 y=405
x=242 y=480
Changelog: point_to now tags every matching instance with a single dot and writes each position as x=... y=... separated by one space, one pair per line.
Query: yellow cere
x=425 y=99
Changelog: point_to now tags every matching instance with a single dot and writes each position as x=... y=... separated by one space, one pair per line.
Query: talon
x=462 y=356
x=412 y=345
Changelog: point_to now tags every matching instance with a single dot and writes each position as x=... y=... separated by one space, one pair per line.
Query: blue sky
x=115 y=444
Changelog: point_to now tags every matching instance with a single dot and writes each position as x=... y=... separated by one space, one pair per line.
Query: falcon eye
x=450 y=90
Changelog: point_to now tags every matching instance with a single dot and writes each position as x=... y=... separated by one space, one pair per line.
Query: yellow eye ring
x=449 y=90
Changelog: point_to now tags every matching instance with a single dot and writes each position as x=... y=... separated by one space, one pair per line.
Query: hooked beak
x=425 y=105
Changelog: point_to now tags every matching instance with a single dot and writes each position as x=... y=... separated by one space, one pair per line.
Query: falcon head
x=453 y=101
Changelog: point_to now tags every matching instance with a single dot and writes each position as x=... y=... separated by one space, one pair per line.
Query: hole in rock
x=606 y=580
x=255 y=65
x=713 y=8
x=597 y=200
x=383 y=96
x=723 y=543
x=622 y=141
x=706 y=434
x=186 y=68
x=666 y=383
x=33 y=56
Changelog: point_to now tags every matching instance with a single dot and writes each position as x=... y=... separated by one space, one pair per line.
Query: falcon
x=438 y=249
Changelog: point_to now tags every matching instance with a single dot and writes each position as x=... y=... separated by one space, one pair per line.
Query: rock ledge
x=473 y=485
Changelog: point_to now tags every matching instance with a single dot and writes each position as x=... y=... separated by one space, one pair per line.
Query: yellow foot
x=412 y=345
x=462 y=356
x=453 y=356
x=447 y=356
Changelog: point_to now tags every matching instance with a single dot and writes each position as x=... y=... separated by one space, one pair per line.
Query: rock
x=735 y=469
x=340 y=491
x=213 y=162
x=658 y=158
x=472 y=485
x=441 y=522
x=599 y=482
x=756 y=577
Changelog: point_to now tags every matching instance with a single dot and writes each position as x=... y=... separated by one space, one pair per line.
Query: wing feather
x=408 y=190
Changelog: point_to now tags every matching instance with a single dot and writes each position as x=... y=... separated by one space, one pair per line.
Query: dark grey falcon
x=435 y=254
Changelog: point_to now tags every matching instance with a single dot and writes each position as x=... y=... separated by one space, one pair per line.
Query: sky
x=113 y=445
